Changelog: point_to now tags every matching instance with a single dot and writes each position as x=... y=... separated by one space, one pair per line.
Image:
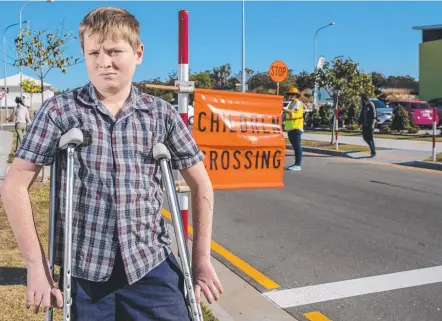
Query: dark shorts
x=157 y=296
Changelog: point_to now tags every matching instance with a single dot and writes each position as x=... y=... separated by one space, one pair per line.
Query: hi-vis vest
x=294 y=120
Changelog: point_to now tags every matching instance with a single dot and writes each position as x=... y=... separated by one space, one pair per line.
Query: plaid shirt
x=117 y=184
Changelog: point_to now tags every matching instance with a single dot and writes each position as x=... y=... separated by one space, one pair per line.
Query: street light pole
x=20 y=19
x=243 y=76
x=314 y=64
x=4 y=61
x=316 y=33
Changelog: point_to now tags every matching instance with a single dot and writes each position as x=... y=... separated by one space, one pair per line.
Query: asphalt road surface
x=376 y=228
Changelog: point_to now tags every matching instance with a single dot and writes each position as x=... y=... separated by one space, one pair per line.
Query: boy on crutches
x=122 y=265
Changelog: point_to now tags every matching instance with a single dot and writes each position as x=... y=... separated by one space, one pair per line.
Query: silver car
x=384 y=113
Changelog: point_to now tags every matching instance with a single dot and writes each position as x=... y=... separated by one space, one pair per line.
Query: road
x=342 y=220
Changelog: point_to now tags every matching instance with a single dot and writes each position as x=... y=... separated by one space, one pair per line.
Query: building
x=430 y=62
x=13 y=84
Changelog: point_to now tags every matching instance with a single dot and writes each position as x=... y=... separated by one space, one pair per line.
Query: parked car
x=384 y=113
x=420 y=112
x=437 y=102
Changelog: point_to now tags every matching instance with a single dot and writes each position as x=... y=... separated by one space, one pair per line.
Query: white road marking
x=350 y=288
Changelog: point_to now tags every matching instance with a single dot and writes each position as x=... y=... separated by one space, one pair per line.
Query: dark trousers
x=157 y=296
x=295 y=141
x=367 y=134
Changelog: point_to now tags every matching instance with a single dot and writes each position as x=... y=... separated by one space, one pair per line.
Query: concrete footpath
x=403 y=144
x=240 y=301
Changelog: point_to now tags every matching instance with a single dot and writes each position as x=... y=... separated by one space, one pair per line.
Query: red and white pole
x=183 y=99
x=434 y=132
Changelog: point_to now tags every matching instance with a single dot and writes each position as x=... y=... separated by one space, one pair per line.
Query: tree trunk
x=335 y=100
x=42 y=91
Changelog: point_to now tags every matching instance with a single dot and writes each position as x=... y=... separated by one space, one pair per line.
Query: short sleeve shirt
x=117 y=194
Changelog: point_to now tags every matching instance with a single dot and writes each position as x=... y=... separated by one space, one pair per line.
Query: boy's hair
x=111 y=22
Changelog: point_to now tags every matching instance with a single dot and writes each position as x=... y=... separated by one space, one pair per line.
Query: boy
x=122 y=264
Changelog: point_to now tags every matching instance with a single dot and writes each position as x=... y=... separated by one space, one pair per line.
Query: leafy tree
x=344 y=82
x=379 y=81
x=304 y=80
x=202 y=80
x=407 y=82
x=31 y=88
x=220 y=75
x=42 y=51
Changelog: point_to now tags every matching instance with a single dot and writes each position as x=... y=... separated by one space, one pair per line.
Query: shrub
x=353 y=126
x=401 y=121
x=324 y=113
x=413 y=129
x=385 y=129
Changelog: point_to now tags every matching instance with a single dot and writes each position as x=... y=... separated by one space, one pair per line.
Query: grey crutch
x=68 y=142
x=162 y=156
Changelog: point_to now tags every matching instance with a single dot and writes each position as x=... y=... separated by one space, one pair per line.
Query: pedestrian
x=22 y=121
x=367 y=120
x=294 y=125
x=122 y=264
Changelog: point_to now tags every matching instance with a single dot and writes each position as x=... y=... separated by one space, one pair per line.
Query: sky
x=376 y=34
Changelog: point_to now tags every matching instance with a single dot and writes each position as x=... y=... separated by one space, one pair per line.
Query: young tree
x=343 y=81
x=42 y=51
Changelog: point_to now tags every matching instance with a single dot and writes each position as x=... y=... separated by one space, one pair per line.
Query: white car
x=190 y=113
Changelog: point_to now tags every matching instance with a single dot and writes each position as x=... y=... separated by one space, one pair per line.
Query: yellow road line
x=316 y=316
x=236 y=261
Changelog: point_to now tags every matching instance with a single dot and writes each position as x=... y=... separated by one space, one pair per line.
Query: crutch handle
x=160 y=151
x=73 y=137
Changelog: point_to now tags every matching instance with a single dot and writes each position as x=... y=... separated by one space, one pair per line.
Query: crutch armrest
x=72 y=137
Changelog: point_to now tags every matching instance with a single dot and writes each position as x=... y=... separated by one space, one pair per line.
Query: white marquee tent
x=13 y=83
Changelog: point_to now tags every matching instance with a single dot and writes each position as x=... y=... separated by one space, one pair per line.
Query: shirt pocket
x=147 y=167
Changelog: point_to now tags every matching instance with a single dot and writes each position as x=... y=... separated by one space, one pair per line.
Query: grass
x=12 y=269
x=438 y=158
x=11 y=153
x=384 y=136
x=342 y=147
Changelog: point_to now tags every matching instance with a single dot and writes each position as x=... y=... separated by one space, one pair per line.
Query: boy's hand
x=206 y=280
x=40 y=289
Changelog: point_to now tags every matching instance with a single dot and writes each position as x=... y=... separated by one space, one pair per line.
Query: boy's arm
x=202 y=214
x=202 y=208
x=17 y=204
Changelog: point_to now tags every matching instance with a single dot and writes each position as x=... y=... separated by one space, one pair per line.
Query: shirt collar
x=88 y=96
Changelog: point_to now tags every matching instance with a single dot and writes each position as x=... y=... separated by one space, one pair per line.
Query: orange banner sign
x=241 y=136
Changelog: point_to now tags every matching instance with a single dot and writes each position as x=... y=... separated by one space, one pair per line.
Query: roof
x=14 y=80
x=409 y=101
x=431 y=27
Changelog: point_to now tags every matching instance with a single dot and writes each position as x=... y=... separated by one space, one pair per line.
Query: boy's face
x=110 y=64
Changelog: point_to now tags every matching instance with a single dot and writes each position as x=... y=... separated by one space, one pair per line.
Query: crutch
x=162 y=155
x=68 y=142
